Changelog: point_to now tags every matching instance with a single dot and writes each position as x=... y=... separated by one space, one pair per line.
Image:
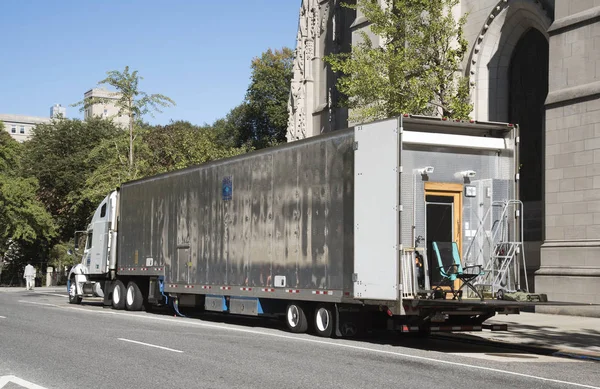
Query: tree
x=57 y=155
x=267 y=98
x=159 y=149
x=233 y=129
x=23 y=217
x=111 y=167
x=181 y=144
x=415 y=70
x=129 y=100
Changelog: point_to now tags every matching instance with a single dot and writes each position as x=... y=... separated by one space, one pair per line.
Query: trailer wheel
x=134 y=300
x=324 y=320
x=295 y=318
x=73 y=298
x=118 y=295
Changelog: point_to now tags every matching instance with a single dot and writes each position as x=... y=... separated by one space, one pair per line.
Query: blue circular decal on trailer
x=227 y=188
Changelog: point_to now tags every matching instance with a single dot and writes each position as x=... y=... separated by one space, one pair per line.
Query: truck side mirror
x=77 y=237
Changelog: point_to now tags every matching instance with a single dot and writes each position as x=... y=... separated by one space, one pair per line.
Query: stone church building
x=531 y=62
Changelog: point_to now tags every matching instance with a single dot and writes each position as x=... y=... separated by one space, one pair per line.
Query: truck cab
x=98 y=258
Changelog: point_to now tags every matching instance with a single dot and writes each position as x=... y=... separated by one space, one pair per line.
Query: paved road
x=45 y=341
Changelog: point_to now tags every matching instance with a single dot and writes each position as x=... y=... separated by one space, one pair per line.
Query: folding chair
x=450 y=269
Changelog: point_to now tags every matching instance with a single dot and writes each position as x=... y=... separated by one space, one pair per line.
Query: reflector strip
x=327 y=292
x=225 y=287
x=292 y=291
x=246 y=289
x=205 y=287
x=268 y=290
x=406 y=328
x=189 y=287
x=456 y=328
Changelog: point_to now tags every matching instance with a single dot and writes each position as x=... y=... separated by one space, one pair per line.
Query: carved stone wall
x=313 y=105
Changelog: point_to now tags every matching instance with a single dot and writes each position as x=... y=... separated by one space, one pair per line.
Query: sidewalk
x=559 y=335
x=60 y=288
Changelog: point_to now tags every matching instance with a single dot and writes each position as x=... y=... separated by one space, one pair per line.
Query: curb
x=530 y=348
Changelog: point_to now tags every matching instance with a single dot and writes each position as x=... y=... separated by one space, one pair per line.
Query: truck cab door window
x=88 y=243
x=103 y=210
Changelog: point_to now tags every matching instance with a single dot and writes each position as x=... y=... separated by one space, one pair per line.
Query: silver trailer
x=327 y=232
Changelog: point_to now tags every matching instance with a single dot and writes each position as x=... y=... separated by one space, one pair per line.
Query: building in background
x=20 y=126
x=105 y=111
x=58 y=111
x=531 y=62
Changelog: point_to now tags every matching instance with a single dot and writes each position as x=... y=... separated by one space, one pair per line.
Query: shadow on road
x=444 y=344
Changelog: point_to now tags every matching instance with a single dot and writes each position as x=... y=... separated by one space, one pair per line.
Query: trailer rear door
x=376 y=213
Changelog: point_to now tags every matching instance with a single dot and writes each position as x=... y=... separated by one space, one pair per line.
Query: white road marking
x=53 y=294
x=4 y=380
x=37 y=303
x=2 y=317
x=150 y=345
x=324 y=342
x=515 y=357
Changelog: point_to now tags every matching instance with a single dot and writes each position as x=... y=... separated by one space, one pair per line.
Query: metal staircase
x=498 y=245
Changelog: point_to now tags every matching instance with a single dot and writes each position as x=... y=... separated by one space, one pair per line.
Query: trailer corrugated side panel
x=285 y=211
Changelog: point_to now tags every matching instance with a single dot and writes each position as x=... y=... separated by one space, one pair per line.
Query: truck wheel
x=134 y=300
x=324 y=320
x=118 y=295
x=73 y=298
x=295 y=318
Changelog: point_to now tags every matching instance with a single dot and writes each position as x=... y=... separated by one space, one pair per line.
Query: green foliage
x=266 y=99
x=130 y=101
x=229 y=130
x=111 y=168
x=63 y=254
x=23 y=217
x=417 y=70
x=58 y=156
x=181 y=144
x=159 y=149
x=10 y=152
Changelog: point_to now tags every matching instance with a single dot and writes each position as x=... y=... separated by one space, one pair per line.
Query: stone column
x=49 y=273
x=570 y=255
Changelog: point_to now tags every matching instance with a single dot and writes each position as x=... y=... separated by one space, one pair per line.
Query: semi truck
x=333 y=233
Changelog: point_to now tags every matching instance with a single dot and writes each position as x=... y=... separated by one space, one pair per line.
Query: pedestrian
x=29 y=275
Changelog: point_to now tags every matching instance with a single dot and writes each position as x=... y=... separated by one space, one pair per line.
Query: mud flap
x=338 y=333
x=107 y=300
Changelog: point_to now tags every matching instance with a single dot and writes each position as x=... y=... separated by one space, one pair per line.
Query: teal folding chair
x=451 y=269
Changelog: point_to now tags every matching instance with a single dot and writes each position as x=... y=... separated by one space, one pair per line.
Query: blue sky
x=197 y=52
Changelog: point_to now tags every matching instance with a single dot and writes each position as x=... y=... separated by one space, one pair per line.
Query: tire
x=134 y=299
x=118 y=295
x=73 y=298
x=295 y=319
x=324 y=320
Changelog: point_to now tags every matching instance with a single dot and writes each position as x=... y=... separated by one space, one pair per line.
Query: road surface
x=47 y=343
